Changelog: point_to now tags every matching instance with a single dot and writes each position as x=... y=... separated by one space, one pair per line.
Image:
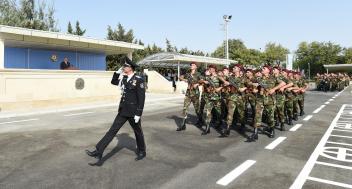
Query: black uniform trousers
x=118 y=123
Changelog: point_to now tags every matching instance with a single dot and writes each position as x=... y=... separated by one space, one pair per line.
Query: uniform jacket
x=133 y=95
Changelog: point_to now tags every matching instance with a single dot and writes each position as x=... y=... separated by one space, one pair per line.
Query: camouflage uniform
x=250 y=97
x=289 y=103
x=236 y=101
x=192 y=96
x=212 y=101
x=301 y=83
x=265 y=101
x=280 y=101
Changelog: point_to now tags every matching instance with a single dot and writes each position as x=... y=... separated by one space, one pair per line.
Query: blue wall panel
x=40 y=59
x=15 y=57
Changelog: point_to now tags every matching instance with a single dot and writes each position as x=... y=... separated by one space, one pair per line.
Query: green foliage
x=69 y=28
x=317 y=54
x=347 y=55
x=274 y=53
x=79 y=31
x=28 y=14
x=239 y=52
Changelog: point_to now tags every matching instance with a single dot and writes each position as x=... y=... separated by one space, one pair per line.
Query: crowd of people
x=235 y=97
x=331 y=81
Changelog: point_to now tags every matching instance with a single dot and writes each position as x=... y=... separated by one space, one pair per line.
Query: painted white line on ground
x=334 y=165
x=294 y=128
x=341 y=136
x=333 y=97
x=304 y=174
x=339 y=143
x=331 y=100
x=327 y=103
x=77 y=114
x=318 y=109
x=18 y=121
x=330 y=182
x=343 y=130
x=308 y=117
x=275 y=143
x=227 y=179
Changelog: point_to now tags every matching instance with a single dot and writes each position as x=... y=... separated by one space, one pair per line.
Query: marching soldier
x=130 y=109
x=265 y=99
x=236 y=99
x=192 y=95
x=212 y=99
x=280 y=99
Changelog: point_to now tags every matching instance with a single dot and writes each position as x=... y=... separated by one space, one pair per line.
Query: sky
x=198 y=24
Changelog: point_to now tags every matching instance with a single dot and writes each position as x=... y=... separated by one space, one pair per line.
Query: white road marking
x=18 y=121
x=308 y=117
x=227 y=179
x=318 y=109
x=334 y=165
x=327 y=103
x=294 y=128
x=333 y=97
x=77 y=114
x=330 y=182
x=343 y=130
x=339 y=143
x=275 y=143
x=304 y=174
x=331 y=100
x=341 y=136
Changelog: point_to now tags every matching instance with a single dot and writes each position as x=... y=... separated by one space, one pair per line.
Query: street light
x=227 y=19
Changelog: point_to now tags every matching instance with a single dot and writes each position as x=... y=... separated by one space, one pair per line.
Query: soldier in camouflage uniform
x=288 y=97
x=212 y=87
x=192 y=94
x=250 y=97
x=303 y=85
x=280 y=98
x=236 y=99
x=265 y=99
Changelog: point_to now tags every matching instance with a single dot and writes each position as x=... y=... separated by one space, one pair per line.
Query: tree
x=28 y=14
x=239 y=52
x=79 y=31
x=274 y=53
x=169 y=47
x=315 y=55
x=347 y=55
x=69 y=28
x=118 y=34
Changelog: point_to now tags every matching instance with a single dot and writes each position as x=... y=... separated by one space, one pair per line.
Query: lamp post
x=227 y=19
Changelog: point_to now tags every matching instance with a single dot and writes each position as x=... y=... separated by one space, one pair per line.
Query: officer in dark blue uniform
x=130 y=109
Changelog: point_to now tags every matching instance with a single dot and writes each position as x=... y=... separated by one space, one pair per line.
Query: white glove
x=119 y=71
x=137 y=118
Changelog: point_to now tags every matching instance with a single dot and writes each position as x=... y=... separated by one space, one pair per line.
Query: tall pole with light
x=227 y=19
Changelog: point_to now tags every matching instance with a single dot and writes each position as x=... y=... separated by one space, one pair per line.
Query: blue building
x=22 y=48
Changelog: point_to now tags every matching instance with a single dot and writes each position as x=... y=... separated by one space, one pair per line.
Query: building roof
x=23 y=37
x=171 y=59
x=338 y=67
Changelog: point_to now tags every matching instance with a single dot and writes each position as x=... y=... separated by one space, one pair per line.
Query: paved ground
x=47 y=151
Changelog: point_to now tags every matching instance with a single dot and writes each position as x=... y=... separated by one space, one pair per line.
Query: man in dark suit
x=65 y=64
x=130 y=109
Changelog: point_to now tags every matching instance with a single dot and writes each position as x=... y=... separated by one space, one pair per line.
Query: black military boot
x=276 y=123
x=207 y=130
x=183 y=126
x=199 y=123
x=295 y=117
x=254 y=136
x=94 y=154
x=290 y=121
x=271 y=132
x=302 y=113
x=282 y=126
x=225 y=132
x=242 y=128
